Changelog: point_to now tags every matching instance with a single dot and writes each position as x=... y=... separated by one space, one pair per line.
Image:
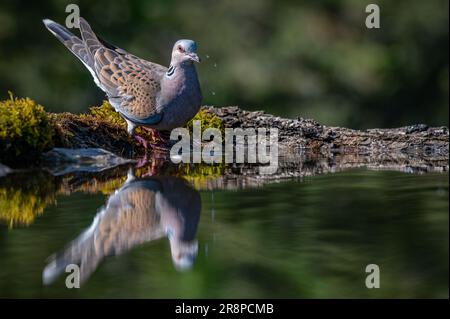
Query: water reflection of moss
x=17 y=207
x=106 y=183
x=92 y=185
x=22 y=199
x=200 y=175
x=111 y=185
x=24 y=128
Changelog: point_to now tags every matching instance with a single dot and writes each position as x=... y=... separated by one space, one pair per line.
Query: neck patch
x=170 y=71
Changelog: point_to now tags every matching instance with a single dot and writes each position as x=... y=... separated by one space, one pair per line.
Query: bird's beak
x=194 y=57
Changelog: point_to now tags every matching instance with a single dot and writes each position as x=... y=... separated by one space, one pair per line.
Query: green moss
x=25 y=130
x=106 y=112
x=95 y=185
x=201 y=175
x=208 y=120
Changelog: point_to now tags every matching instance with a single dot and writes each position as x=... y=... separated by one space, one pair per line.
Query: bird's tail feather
x=82 y=48
x=81 y=252
x=60 y=32
x=89 y=38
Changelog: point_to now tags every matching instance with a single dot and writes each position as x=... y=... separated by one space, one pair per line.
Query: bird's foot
x=142 y=141
x=160 y=137
x=157 y=137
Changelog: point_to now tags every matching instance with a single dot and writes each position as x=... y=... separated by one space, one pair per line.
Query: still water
x=166 y=237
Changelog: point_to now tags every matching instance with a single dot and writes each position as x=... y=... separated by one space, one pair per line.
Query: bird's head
x=184 y=254
x=185 y=51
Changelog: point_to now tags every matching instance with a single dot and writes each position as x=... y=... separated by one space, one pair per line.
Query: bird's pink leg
x=143 y=161
x=156 y=136
x=142 y=141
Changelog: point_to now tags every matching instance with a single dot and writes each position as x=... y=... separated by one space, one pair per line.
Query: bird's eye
x=180 y=48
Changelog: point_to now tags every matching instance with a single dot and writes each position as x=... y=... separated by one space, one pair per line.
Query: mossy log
x=313 y=138
x=103 y=128
x=299 y=135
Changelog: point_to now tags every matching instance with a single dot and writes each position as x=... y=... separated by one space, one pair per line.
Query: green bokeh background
x=291 y=58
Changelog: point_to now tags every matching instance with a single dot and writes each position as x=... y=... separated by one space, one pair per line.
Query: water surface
x=161 y=237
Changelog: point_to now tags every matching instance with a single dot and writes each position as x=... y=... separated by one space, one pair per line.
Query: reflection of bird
x=144 y=93
x=140 y=211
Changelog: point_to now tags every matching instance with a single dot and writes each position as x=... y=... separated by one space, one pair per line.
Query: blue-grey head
x=184 y=51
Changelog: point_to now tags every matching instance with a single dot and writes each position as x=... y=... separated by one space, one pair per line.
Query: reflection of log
x=245 y=175
x=40 y=188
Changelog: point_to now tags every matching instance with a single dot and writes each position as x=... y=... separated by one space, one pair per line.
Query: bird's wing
x=132 y=84
x=132 y=89
x=154 y=67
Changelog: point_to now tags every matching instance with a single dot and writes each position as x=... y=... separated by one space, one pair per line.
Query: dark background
x=291 y=58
